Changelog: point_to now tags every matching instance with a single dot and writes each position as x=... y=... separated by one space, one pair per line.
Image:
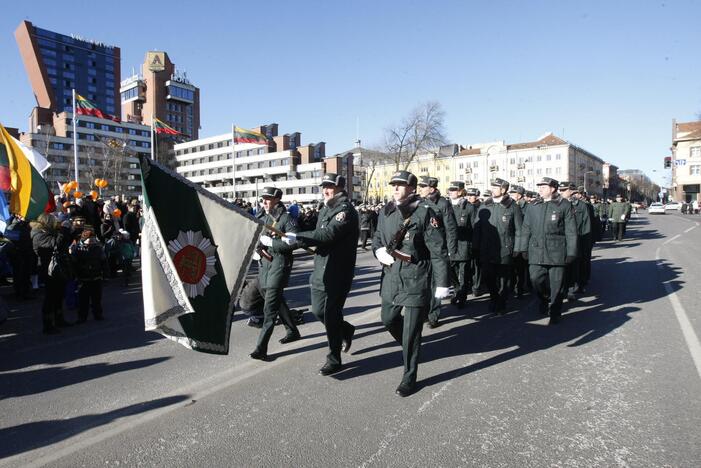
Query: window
x=695 y=169
x=539 y=158
x=48 y=53
x=538 y=171
x=695 y=152
x=132 y=131
x=512 y=161
x=558 y=170
x=475 y=164
x=90 y=124
x=548 y=171
x=548 y=157
x=558 y=157
x=49 y=62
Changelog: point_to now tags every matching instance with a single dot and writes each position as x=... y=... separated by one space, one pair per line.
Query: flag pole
x=233 y=155
x=152 y=137
x=75 y=140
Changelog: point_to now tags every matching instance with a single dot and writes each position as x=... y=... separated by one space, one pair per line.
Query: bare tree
x=420 y=131
x=371 y=159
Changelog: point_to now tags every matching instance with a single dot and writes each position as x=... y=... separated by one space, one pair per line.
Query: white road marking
x=691 y=228
x=692 y=340
x=671 y=239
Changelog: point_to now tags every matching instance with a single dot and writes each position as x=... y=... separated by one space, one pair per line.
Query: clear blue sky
x=609 y=76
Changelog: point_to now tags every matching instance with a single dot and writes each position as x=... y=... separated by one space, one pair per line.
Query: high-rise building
x=164 y=92
x=57 y=63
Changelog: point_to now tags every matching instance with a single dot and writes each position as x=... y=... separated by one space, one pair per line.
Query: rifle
x=278 y=232
x=263 y=253
x=395 y=242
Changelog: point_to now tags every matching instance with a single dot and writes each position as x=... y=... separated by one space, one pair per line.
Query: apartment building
x=686 y=160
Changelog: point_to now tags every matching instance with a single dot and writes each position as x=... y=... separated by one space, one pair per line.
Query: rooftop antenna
x=357 y=132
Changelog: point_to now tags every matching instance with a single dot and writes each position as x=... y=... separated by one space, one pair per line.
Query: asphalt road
x=616 y=383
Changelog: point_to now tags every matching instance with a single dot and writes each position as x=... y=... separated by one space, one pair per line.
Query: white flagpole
x=153 y=131
x=75 y=140
x=233 y=155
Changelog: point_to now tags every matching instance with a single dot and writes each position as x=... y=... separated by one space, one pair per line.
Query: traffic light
x=667 y=162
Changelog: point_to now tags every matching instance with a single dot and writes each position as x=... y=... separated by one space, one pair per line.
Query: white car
x=656 y=208
x=673 y=206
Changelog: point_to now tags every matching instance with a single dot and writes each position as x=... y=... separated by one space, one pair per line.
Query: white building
x=106 y=150
x=242 y=170
x=686 y=160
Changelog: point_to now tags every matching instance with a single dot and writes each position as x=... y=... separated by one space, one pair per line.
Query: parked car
x=656 y=208
x=673 y=206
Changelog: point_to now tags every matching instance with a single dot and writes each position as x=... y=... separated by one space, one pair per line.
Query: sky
x=608 y=76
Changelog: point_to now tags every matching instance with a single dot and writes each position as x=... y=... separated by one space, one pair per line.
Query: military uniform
x=274 y=274
x=495 y=236
x=575 y=271
x=619 y=211
x=549 y=239
x=461 y=263
x=408 y=285
x=519 y=270
x=444 y=211
x=336 y=241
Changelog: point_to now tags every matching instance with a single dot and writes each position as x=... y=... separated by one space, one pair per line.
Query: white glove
x=255 y=256
x=292 y=236
x=623 y=217
x=266 y=241
x=443 y=293
x=383 y=256
x=287 y=240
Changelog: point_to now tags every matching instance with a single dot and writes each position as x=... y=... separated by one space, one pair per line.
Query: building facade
x=163 y=92
x=57 y=63
x=242 y=170
x=686 y=160
x=521 y=164
x=106 y=150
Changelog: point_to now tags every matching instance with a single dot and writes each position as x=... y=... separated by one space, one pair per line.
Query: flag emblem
x=194 y=259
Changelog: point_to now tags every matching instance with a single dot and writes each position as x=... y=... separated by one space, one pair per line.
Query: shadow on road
x=18 y=384
x=29 y=436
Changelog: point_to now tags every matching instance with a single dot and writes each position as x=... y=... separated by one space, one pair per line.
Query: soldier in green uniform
x=336 y=241
x=618 y=216
x=461 y=262
x=549 y=242
x=601 y=215
x=495 y=236
x=588 y=242
x=583 y=220
x=519 y=275
x=428 y=190
x=410 y=244
x=274 y=267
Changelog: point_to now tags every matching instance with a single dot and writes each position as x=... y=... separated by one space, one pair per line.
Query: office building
x=58 y=63
x=686 y=161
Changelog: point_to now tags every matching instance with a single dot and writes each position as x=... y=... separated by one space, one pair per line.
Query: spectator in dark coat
x=89 y=263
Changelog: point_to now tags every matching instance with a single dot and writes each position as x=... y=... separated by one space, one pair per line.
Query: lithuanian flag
x=30 y=195
x=241 y=135
x=85 y=107
x=162 y=128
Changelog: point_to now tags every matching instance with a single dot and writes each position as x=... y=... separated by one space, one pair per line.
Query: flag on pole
x=241 y=135
x=162 y=128
x=30 y=195
x=196 y=249
x=85 y=107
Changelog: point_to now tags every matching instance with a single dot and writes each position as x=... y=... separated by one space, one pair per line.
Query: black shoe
x=259 y=356
x=454 y=300
x=554 y=320
x=433 y=324
x=51 y=331
x=461 y=305
x=255 y=323
x=290 y=338
x=404 y=390
x=328 y=368
x=100 y=318
x=348 y=339
x=63 y=323
x=543 y=308
x=82 y=320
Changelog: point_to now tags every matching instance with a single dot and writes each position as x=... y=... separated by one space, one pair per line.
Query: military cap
x=426 y=181
x=456 y=185
x=580 y=189
x=572 y=187
x=487 y=193
x=333 y=180
x=500 y=183
x=271 y=192
x=531 y=194
x=403 y=177
x=473 y=192
x=517 y=189
x=548 y=181
x=564 y=185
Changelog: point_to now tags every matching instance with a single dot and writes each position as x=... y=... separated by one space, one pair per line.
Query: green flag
x=196 y=249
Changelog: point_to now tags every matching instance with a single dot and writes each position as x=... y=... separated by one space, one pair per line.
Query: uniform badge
x=553 y=217
x=503 y=219
x=435 y=223
x=340 y=217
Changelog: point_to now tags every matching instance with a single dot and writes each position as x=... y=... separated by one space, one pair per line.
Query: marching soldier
x=618 y=216
x=428 y=190
x=496 y=233
x=519 y=277
x=583 y=220
x=601 y=214
x=336 y=241
x=275 y=266
x=411 y=245
x=549 y=242
x=474 y=206
x=460 y=263
x=589 y=241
